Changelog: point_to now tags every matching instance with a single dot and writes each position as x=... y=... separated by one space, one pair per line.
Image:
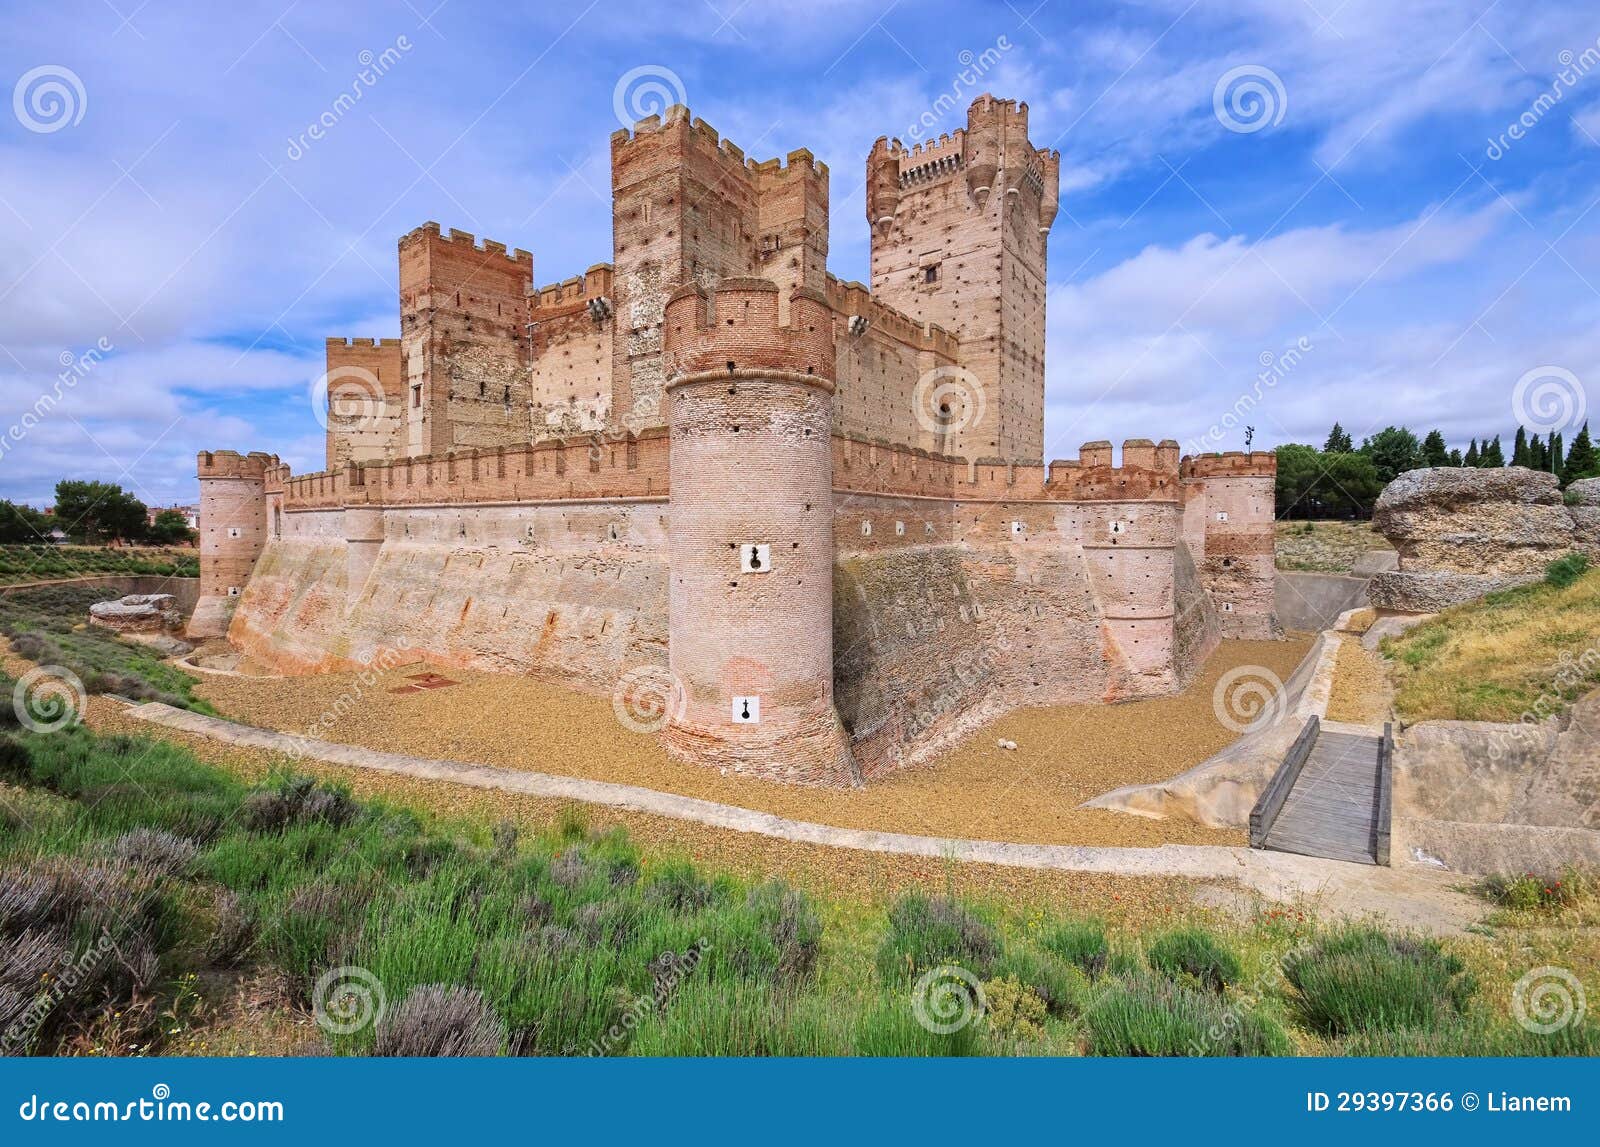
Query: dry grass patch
x=1326 y=547
x=1534 y=649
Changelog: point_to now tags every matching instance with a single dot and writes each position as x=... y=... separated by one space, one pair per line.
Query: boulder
x=1503 y=523
x=1583 y=503
x=138 y=613
x=1426 y=591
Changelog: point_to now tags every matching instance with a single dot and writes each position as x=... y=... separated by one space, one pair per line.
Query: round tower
x=750 y=606
x=233 y=531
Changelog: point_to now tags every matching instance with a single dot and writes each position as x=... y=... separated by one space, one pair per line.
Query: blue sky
x=156 y=199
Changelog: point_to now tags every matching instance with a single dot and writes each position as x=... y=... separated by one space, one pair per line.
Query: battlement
x=853 y=298
x=594 y=283
x=466 y=241
x=232 y=464
x=737 y=328
x=1234 y=463
x=335 y=341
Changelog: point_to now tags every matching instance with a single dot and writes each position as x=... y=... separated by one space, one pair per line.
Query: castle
x=802 y=527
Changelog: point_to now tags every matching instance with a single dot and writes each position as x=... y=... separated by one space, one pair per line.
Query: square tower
x=959 y=230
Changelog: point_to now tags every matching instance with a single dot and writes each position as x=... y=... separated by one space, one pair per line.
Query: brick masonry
x=568 y=479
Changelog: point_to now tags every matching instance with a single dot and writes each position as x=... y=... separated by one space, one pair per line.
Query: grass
x=1325 y=547
x=570 y=941
x=20 y=564
x=49 y=626
x=1361 y=980
x=1531 y=650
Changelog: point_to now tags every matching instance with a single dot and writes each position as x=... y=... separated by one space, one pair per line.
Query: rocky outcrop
x=1583 y=503
x=1462 y=532
x=1485 y=797
x=138 y=613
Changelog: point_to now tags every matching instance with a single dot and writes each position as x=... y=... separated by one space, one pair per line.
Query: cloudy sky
x=1328 y=194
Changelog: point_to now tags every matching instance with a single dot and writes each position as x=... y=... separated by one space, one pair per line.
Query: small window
x=930 y=274
x=416 y=395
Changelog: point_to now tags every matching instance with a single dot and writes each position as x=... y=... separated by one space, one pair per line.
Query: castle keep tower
x=959 y=230
x=687 y=207
x=750 y=603
x=462 y=310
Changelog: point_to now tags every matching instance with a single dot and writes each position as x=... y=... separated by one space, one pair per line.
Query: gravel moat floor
x=977 y=790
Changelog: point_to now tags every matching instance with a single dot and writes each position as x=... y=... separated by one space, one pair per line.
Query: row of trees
x=94 y=513
x=1343 y=480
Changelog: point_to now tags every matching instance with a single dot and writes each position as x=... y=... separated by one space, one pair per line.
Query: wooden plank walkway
x=1334 y=808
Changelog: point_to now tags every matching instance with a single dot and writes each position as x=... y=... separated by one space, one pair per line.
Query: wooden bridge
x=1330 y=797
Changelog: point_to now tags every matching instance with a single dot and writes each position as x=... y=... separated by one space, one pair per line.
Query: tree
x=171 y=528
x=1472 y=453
x=1537 y=458
x=1393 y=450
x=1493 y=455
x=1314 y=484
x=1338 y=441
x=1520 y=455
x=1434 y=452
x=97 y=511
x=20 y=523
x=1455 y=456
x=1582 y=461
x=1555 y=453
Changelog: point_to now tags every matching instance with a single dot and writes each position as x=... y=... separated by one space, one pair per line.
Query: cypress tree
x=1434 y=452
x=1582 y=462
x=1519 y=449
x=1455 y=457
x=1472 y=453
x=1493 y=455
x=1338 y=441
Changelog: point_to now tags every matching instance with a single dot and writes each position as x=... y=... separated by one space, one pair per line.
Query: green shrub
x=1063 y=987
x=1194 y=952
x=1149 y=1017
x=925 y=932
x=1359 y=979
x=1477 y=1037
x=1531 y=892
x=890 y=1027
x=1015 y=1012
x=1080 y=942
x=1565 y=570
